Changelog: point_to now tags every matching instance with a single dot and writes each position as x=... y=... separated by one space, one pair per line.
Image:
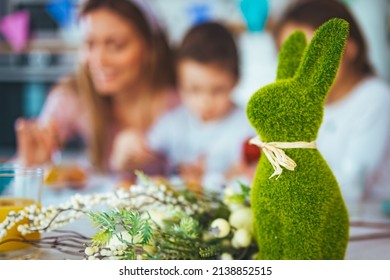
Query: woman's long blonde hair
x=159 y=74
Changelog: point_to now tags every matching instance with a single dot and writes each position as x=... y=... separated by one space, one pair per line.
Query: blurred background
x=39 y=42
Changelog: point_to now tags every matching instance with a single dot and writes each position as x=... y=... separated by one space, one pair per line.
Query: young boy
x=202 y=139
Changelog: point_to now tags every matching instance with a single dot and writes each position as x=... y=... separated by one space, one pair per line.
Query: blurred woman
x=356 y=122
x=125 y=82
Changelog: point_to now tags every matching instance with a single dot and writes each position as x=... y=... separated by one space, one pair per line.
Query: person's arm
x=134 y=150
x=38 y=139
x=366 y=147
x=35 y=142
x=130 y=152
x=159 y=142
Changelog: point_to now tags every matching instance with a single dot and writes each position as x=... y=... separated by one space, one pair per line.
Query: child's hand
x=241 y=169
x=36 y=142
x=193 y=173
x=129 y=151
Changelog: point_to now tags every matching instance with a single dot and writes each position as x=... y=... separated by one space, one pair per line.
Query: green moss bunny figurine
x=298 y=207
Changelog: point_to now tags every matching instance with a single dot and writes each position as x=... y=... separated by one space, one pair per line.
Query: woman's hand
x=129 y=151
x=193 y=173
x=36 y=142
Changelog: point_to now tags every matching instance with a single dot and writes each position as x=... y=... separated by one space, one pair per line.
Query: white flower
x=188 y=211
x=226 y=256
x=229 y=191
x=235 y=206
x=89 y=251
x=160 y=196
x=157 y=216
x=241 y=239
x=220 y=228
x=242 y=218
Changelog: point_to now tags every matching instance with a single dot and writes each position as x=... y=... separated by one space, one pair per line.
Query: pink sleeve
x=64 y=108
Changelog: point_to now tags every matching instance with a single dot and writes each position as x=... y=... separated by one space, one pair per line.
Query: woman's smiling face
x=114 y=51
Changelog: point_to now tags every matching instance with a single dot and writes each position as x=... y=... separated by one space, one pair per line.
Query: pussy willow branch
x=65 y=242
x=60 y=211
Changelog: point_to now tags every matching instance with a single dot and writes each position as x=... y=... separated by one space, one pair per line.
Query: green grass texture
x=302 y=214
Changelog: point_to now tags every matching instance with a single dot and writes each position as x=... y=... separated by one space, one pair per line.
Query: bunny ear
x=290 y=55
x=321 y=60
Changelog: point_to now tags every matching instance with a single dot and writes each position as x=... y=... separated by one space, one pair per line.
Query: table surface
x=369 y=232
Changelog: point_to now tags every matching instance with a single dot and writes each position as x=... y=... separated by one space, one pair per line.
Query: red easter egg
x=250 y=153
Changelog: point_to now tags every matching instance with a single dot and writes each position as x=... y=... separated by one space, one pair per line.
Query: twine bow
x=277 y=157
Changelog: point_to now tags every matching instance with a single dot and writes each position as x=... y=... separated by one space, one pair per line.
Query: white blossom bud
x=226 y=256
x=242 y=218
x=160 y=196
x=95 y=249
x=229 y=191
x=220 y=228
x=89 y=251
x=235 y=207
x=242 y=238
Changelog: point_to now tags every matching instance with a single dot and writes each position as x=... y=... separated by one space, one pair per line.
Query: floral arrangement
x=150 y=220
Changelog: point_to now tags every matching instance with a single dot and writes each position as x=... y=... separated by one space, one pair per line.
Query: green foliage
x=181 y=236
x=301 y=215
x=187 y=228
x=290 y=55
x=146 y=233
x=102 y=237
x=106 y=224
x=110 y=222
x=209 y=252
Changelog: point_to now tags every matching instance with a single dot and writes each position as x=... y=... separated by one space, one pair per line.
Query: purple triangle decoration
x=15 y=29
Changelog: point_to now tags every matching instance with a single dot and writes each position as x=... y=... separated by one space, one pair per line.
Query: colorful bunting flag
x=199 y=13
x=255 y=13
x=61 y=11
x=15 y=29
